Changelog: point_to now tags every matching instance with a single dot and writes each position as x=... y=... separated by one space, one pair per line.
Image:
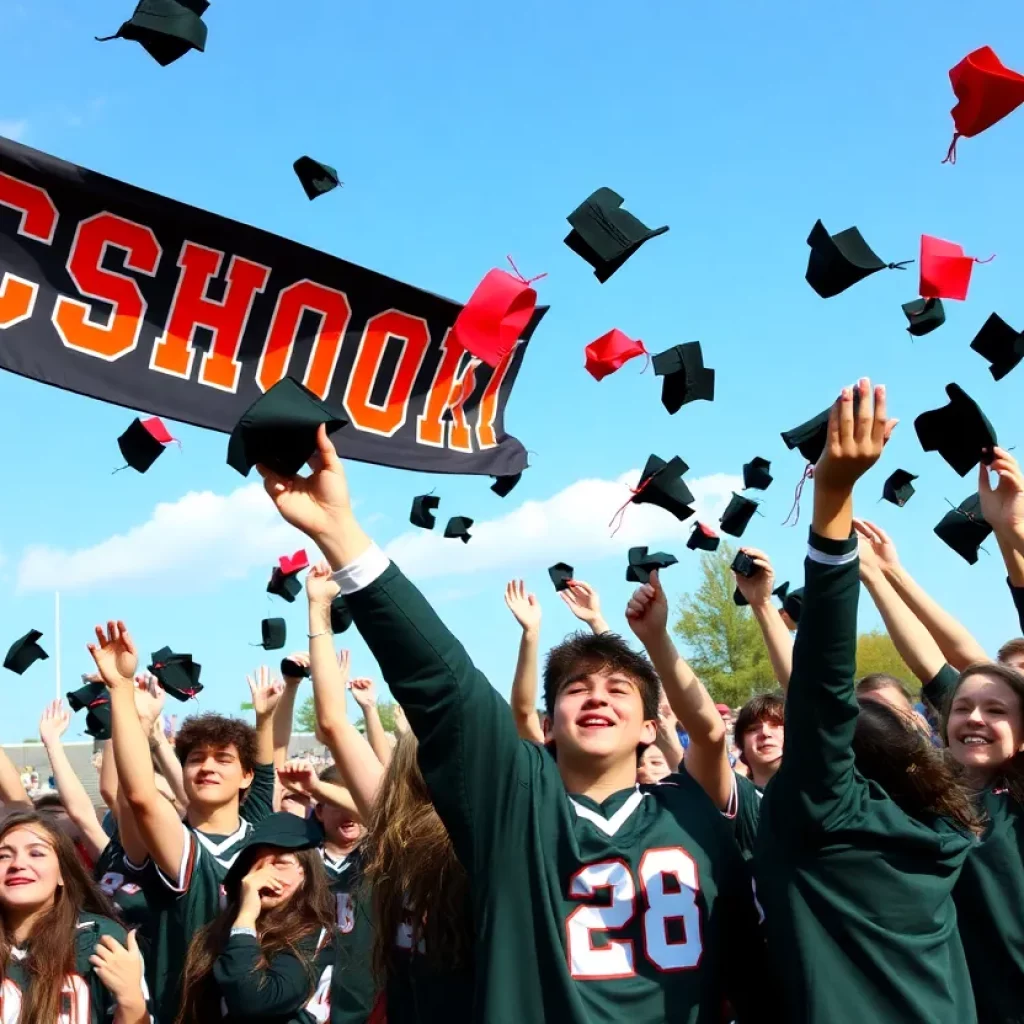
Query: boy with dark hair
x=1012 y=653
x=759 y=733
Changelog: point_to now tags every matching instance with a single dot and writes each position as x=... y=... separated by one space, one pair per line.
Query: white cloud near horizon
x=11 y=129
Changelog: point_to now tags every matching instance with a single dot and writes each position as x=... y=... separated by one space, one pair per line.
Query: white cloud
x=194 y=543
x=571 y=524
x=16 y=130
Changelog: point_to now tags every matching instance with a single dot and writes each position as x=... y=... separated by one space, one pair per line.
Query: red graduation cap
x=290 y=565
x=155 y=427
x=496 y=315
x=611 y=351
x=945 y=270
x=986 y=92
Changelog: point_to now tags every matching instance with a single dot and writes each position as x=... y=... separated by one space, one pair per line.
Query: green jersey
x=745 y=813
x=128 y=885
x=857 y=895
x=85 y=998
x=637 y=908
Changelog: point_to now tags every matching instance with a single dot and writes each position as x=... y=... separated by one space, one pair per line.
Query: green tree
x=305 y=717
x=877 y=653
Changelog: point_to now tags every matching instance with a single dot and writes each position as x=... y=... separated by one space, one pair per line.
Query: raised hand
x=363 y=692
x=1003 y=505
x=855 y=440
x=758 y=588
x=266 y=692
x=523 y=605
x=298 y=776
x=299 y=658
x=149 y=700
x=320 y=588
x=344 y=663
x=647 y=611
x=583 y=601
x=54 y=722
x=876 y=546
x=115 y=655
x=259 y=882
x=120 y=969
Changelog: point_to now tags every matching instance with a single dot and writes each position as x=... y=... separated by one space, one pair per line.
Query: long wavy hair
x=279 y=929
x=411 y=873
x=51 y=944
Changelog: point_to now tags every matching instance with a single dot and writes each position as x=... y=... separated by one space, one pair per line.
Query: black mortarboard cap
x=560 y=574
x=285 y=586
x=703 y=538
x=781 y=591
x=898 y=488
x=605 y=234
x=662 y=484
x=1000 y=344
x=687 y=379
x=316 y=178
x=642 y=563
x=165 y=29
x=341 y=615
x=280 y=830
x=422 y=514
x=504 y=484
x=97 y=720
x=793 y=603
x=85 y=696
x=838 y=261
x=279 y=429
x=756 y=475
x=810 y=437
x=143 y=443
x=743 y=565
x=964 y=529
x=959 y=431
x=275 y=632
x=178 y=674
x=924 y=315
x=25 y=652
x=458 y=526
x=737 y=514
x=294 y=669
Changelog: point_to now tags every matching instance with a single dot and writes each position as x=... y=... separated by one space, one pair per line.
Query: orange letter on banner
x=454 y=382
x=142 y=253
x=38 y=221
x=485 y=434
x=335 y=313
x=388 y=418
x=191 y=308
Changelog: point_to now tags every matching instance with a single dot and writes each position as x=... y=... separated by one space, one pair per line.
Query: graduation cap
x=422 y=514
x=294 y=670
x=642 y=563
x=85 y=696
x=839 y=261
x=25 y=652
x=341 y=614
x=924 y=315
x=560 y=574
x=743 y=565
x=703 y=538
x=606 y=235
x=275 y=632
x=291 y=564
x=964 y=529
x=737 y=514
x=609 y=352
x=1000 y=344
x=165 y=29
x=284 y=585
x=898 y=489
x=756 y=475
x=458 y=526
x=686 y=377
x=280 y=831
x=810 y=437
x=959 y=431
x=662 y=484
x=95 y=701
x=143 y=442
x=316 y=178
x=781 y=591
x=493 y=320
x=178 y=674
x=279 y=429
x=945 y=270
x=793 y=603
x=503 y=485
x=986 y=92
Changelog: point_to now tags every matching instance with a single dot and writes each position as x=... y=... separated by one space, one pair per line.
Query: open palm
x=115 y=655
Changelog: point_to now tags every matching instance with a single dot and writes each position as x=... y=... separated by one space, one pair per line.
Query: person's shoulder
x=91 y=927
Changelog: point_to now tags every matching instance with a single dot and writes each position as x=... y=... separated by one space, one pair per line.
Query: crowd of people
x=629 y=852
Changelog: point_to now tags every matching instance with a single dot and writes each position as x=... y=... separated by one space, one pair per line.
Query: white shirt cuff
x=358 y=575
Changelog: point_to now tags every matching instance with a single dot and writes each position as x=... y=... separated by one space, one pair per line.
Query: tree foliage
x=877 y=653
x=305 y=717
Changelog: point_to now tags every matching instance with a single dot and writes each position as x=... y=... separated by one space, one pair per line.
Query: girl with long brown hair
x=268 y=956
x=63 y=956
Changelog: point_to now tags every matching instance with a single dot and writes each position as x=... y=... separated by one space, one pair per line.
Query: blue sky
x=464 y=132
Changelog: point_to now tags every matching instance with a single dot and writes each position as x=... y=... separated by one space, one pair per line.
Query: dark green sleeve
x=469 y=751
x=259 y=802
x=747 y=815
x=941 y=688
x=817 y=776
x=281 y=987
x=1017 y=593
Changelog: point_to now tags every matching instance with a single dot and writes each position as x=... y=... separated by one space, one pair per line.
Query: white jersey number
x=668 y=886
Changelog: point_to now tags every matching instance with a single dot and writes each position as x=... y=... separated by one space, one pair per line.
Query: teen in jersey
x=228 y=778
x=864 y=829
x=592 y=899
x=62 y=956
x=759 y=734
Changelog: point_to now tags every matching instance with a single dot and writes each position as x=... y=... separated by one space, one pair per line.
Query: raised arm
x=364 y=693
x=284 y=713
x=108 y=775
x=668 y=737
x=167 y=761
x=757 y=589
x=12 y=789
x=523 y=697
x=1003 y=509
x=585 y=603
x=707 y=759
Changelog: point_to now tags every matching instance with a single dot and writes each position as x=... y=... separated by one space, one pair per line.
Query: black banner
x=126 y=296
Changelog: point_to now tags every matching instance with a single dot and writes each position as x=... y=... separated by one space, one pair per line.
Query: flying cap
x=959 y=431
x=662 y=484
x=642 y=563
x=737 y=514
x=1000 y=344
x=898 y=489
x=284 y=585
x=143 y=442
x=178 y=674
x=606 y=235
x=291 y=564
x=85 y=696
x=781 y=591
x=280 y=831
x=839 y=261
x=945 y=270
x=341 y=614
x=25 y=652
x=95 y=701
x=493 y=320
x=703 y=538
x=316 y=178
x=275 y=632
x=810 y=437
x=793 y=603
x=422 y=514
x=503 y=485
x=756 y=475
x=165 y=29
x=964 y=529
x=560 y=574
x=609 y=352
x=686 y=377
x=458 y=526
x=924 y=315
x=986 y=92
x=279 y=429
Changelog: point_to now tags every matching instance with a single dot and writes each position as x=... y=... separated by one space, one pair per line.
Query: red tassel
x=621 y=512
